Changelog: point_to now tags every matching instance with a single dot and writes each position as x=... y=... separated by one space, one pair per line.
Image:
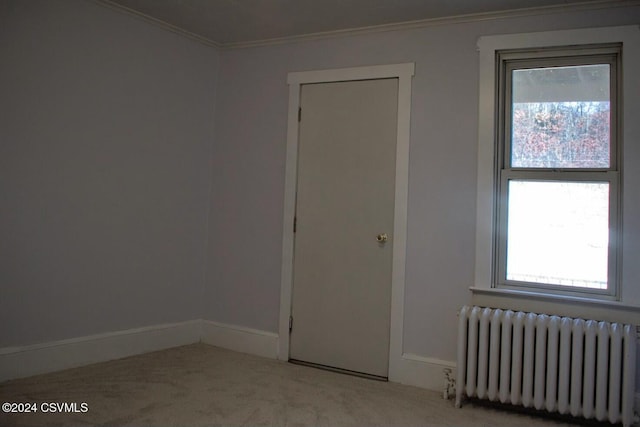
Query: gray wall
x=106 y=128
x=244 y=258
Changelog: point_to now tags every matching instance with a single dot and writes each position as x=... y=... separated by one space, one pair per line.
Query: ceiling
x=229 y=22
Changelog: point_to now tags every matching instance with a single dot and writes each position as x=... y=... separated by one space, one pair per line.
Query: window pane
x=560 y=117
x=558 y=233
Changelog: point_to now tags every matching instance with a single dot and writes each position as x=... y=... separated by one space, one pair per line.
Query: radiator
x=571 y=366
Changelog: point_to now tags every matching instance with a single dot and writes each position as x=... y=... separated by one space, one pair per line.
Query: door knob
x=381 y=238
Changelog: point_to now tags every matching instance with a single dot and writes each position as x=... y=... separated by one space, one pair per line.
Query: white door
x=341 y=297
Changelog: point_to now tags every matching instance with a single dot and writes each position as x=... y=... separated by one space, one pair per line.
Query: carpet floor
x=201 y=385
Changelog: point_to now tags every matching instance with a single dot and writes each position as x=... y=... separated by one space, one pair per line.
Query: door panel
x=345 y=198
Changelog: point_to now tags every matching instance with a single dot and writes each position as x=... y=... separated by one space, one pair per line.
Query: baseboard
x=18 y=362
x=241 y=339
x=420 y=371
x=25 y=361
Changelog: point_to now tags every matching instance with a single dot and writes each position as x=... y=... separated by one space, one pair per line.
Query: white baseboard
x=18 y=362
x=25 y=361
x=241 y=339
x=420 y=371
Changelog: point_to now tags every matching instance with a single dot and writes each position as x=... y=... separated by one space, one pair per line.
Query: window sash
x=510 y=61
x=610 y=177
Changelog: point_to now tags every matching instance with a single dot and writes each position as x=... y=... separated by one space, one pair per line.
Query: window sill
x=559 y=305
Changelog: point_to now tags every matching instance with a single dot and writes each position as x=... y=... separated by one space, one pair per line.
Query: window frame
x=506 y=62
x=626 y=307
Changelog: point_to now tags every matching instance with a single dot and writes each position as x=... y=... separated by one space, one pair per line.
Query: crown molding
x=447 y=20
x=407 y=25
x=157 y=22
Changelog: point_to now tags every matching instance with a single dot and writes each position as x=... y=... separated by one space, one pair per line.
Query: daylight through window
x=558 y=170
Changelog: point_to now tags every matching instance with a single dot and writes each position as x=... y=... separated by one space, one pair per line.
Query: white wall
x=244 y=258
x=106 y=128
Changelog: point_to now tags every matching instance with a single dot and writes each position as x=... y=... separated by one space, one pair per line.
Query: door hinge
x=295 y=223
x=290 y=323
x=300 y=114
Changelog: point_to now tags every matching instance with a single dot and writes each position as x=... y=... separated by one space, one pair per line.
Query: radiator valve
x=449 y=384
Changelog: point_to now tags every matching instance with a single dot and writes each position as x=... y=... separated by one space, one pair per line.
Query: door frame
x=404 y=73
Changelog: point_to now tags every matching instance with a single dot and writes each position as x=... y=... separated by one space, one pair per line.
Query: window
x=557 y=208
x=558 y=170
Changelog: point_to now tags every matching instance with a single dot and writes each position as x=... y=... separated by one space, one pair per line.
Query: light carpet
x=202 y=385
